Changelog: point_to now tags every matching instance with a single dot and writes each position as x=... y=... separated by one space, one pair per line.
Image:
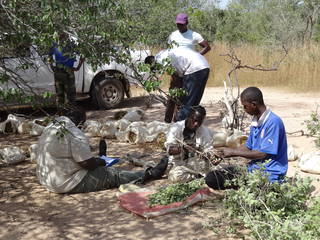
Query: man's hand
x=174 y=150
x=224 y=152
x=79 y=65
x=212 y=157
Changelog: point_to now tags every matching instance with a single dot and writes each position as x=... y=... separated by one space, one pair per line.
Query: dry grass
x=299 y=71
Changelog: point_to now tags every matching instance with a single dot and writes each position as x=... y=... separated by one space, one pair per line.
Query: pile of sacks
x=129 y=128
x=15 y=124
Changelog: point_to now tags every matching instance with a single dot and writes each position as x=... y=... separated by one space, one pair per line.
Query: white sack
x=36 y=129
x=310 y=163
x=292 y=154
x=92 y=128
x=108 y=129
x=11 y=155
x=181 y=174
x=123 y=124
x=121 y=136
x=237 y=139
x=25 y=127
x=220 y=139
x=11 y=124
x=33 y=151
x=134 y=115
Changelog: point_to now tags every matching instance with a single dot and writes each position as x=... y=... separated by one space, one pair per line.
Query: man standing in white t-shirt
x=183 y=37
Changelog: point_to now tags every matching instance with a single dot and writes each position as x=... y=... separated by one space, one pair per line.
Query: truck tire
x=108 y=93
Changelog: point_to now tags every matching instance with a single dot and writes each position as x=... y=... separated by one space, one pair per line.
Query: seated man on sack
x=186 y=141
x=65 y=163
x=267 y=142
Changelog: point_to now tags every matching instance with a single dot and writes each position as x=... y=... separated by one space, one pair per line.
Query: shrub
x=274 y=210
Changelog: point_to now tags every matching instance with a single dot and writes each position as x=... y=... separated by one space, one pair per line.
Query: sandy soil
x=28 y=211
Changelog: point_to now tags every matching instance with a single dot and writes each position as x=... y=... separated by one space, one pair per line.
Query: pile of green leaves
x=274 y=210
x=175 y=192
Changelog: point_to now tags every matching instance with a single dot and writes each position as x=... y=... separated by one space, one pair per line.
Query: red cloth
x=137 y=202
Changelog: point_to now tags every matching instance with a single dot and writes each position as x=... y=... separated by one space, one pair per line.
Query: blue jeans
x=194 y=84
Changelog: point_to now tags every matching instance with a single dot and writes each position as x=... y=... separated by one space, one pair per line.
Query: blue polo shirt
x=268 y=135
x=63 y=56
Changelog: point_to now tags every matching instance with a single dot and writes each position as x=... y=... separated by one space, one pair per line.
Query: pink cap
x=182 y=18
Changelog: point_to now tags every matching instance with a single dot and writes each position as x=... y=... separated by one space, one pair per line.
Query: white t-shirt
x=203 y=138
x=188 y=39
x=57 y=158
x=187 y=61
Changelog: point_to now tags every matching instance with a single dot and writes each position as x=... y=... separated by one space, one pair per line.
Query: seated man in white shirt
x=65 y=163
x=185 y=138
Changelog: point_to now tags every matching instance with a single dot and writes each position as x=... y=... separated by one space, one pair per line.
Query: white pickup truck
x=106 y=85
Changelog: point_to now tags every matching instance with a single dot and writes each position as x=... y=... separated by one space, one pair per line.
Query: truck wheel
x=108 y=93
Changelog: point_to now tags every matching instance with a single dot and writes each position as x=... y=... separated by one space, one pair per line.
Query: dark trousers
x=65 y=86
x=176 y=82
x=194 y=84
x=217 y=178
x=103 y=178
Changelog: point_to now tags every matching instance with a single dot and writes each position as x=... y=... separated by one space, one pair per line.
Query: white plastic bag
x=92 y=128
x=25 y=127
x=292 y=154
x=36 y=129
x=237 y=139
x=134 y=115
x=33 y=151
x=181 y=174
x=123 y=124
x=12 y=155
x=11 y=124
x=220 y=139
x=310 y=163
x=108 y=129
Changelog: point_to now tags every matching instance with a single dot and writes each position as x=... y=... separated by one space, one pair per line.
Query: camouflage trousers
x=103 y=178
x=65 y=86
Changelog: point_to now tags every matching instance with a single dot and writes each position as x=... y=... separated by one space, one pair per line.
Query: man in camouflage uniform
x=63 y=58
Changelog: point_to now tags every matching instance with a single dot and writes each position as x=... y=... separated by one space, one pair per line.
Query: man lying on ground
x=65 y=163
x=267 y=141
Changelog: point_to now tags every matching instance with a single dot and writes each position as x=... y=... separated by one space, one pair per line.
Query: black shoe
x=102 y=148
x=154 y=173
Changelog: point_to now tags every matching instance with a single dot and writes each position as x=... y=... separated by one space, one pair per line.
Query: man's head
x=196 y=117
x=252 y=100
x=149 y=60
x=182 y=22
x=63 y=36
x=77 y=116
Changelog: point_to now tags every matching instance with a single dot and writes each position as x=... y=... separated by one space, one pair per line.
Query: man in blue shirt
x=267 y=141
x=63 y=58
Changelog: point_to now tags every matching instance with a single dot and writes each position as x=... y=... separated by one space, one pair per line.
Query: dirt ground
x=28 y=211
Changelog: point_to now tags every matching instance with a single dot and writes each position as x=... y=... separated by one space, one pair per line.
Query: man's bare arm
x=205 y=47
x=241 y=151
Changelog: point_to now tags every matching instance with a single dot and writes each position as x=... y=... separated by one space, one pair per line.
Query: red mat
x=137 y=202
